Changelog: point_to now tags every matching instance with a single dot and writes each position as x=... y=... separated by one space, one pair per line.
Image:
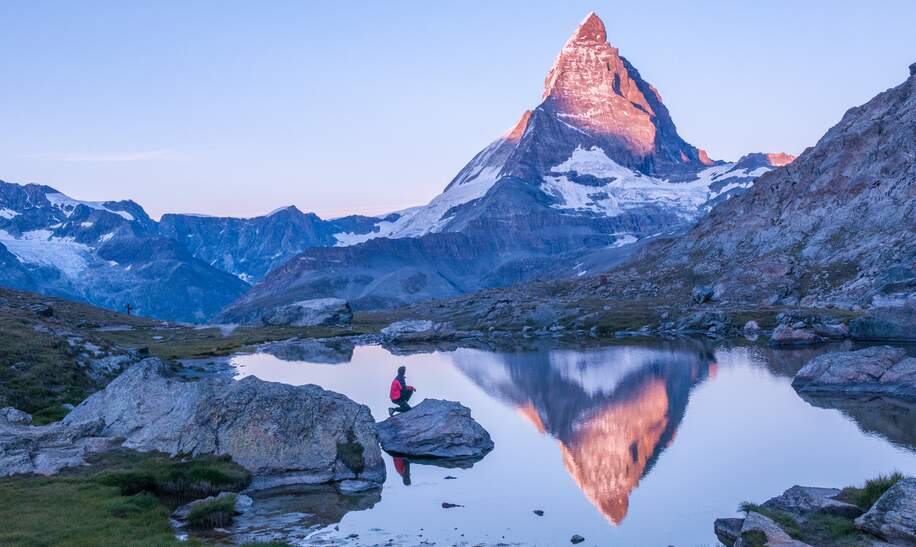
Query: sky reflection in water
x=635 y=445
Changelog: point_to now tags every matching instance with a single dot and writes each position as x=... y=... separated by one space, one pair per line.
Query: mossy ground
x=116 y=500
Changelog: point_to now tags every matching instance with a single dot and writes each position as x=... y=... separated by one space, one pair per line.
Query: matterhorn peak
x=591 y=29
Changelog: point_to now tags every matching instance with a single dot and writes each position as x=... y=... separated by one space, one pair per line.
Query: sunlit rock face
x=613 y=411
x=592 y=87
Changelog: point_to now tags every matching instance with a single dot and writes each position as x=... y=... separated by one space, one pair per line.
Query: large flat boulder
x=893 y=516
x=283 y=434
x=874 y=370
x=435 y=429
x=886 y=324
x=310 y=313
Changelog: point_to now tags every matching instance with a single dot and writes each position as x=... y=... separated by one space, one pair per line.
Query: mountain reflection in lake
x=624 y=444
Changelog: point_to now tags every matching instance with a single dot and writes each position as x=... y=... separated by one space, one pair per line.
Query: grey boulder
x=15 y=416
x=283 y=434
x=435 y=429
x=875 y=370
x=44 y=450
x=328 y=351
x=416 y=330
x=785 y=335
x=757 y=528
x=886 y=324
x=893 y=516
x=802 y=501
x=310 y=313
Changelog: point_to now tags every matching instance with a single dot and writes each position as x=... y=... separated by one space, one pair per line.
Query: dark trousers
x=402 y=402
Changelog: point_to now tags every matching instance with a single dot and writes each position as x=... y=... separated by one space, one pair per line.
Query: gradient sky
x=237 y=108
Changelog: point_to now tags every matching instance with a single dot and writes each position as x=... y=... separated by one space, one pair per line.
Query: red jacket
x=395 y=393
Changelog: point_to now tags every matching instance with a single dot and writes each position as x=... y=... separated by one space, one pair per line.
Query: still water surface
x=624 y=444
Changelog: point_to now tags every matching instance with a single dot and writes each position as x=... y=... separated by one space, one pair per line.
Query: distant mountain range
x=112 y=254
x=583 y=180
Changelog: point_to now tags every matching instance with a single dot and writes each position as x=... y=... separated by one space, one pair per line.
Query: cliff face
x=837 y=225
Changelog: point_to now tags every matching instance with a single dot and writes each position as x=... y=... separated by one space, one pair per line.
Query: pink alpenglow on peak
x=779 y=159
x=591 y=87
x=518 y=129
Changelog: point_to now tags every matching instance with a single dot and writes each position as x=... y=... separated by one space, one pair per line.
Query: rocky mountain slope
x=595 y=167
x=111 y=254
x=835 y=228
x=107 y=253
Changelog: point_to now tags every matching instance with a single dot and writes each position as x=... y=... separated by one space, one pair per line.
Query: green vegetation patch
x=184 y=479
x=351 y=453
x=868 y=494
x=214 y=513
x=120 y=498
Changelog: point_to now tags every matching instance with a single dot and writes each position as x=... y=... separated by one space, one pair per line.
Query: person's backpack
x=395 y=392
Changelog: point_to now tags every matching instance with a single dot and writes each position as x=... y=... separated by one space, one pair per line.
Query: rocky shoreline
x=812 y=516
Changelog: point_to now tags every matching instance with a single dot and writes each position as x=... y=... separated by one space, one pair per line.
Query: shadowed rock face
x=613 y=415
x=890 y=417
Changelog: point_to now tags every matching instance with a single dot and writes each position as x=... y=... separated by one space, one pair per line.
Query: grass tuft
x=215 y=513
x=873 y=489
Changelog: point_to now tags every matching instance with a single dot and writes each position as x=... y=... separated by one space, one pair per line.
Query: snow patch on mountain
x=40 y=248
x=8 y=213
x=626 y=189
x=67 y=204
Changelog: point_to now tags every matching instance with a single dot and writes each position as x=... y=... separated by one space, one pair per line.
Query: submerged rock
x=876 y=370
x=893 y=516
x=435 y=429
x=283 y=434
x=310 y=313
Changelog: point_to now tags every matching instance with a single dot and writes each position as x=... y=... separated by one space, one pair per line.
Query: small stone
x=539 y=512
x=450 y=478
x=447 y=505
x=576 y=539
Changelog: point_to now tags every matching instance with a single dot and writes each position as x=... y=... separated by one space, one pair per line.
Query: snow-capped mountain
x=108 y=254
x=580 y=180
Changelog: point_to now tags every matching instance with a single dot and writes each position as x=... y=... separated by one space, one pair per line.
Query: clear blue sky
x=237 y=108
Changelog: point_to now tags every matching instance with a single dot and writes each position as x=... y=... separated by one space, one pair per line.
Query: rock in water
x=893 y=516
x=784 y=335
x=283 y=434
x=886 y=324
x=875 y=370
x=437 y=429
x=416 y=330
x=310 y=313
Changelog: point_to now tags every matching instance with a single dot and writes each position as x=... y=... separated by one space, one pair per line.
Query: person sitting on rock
x=400 y=392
